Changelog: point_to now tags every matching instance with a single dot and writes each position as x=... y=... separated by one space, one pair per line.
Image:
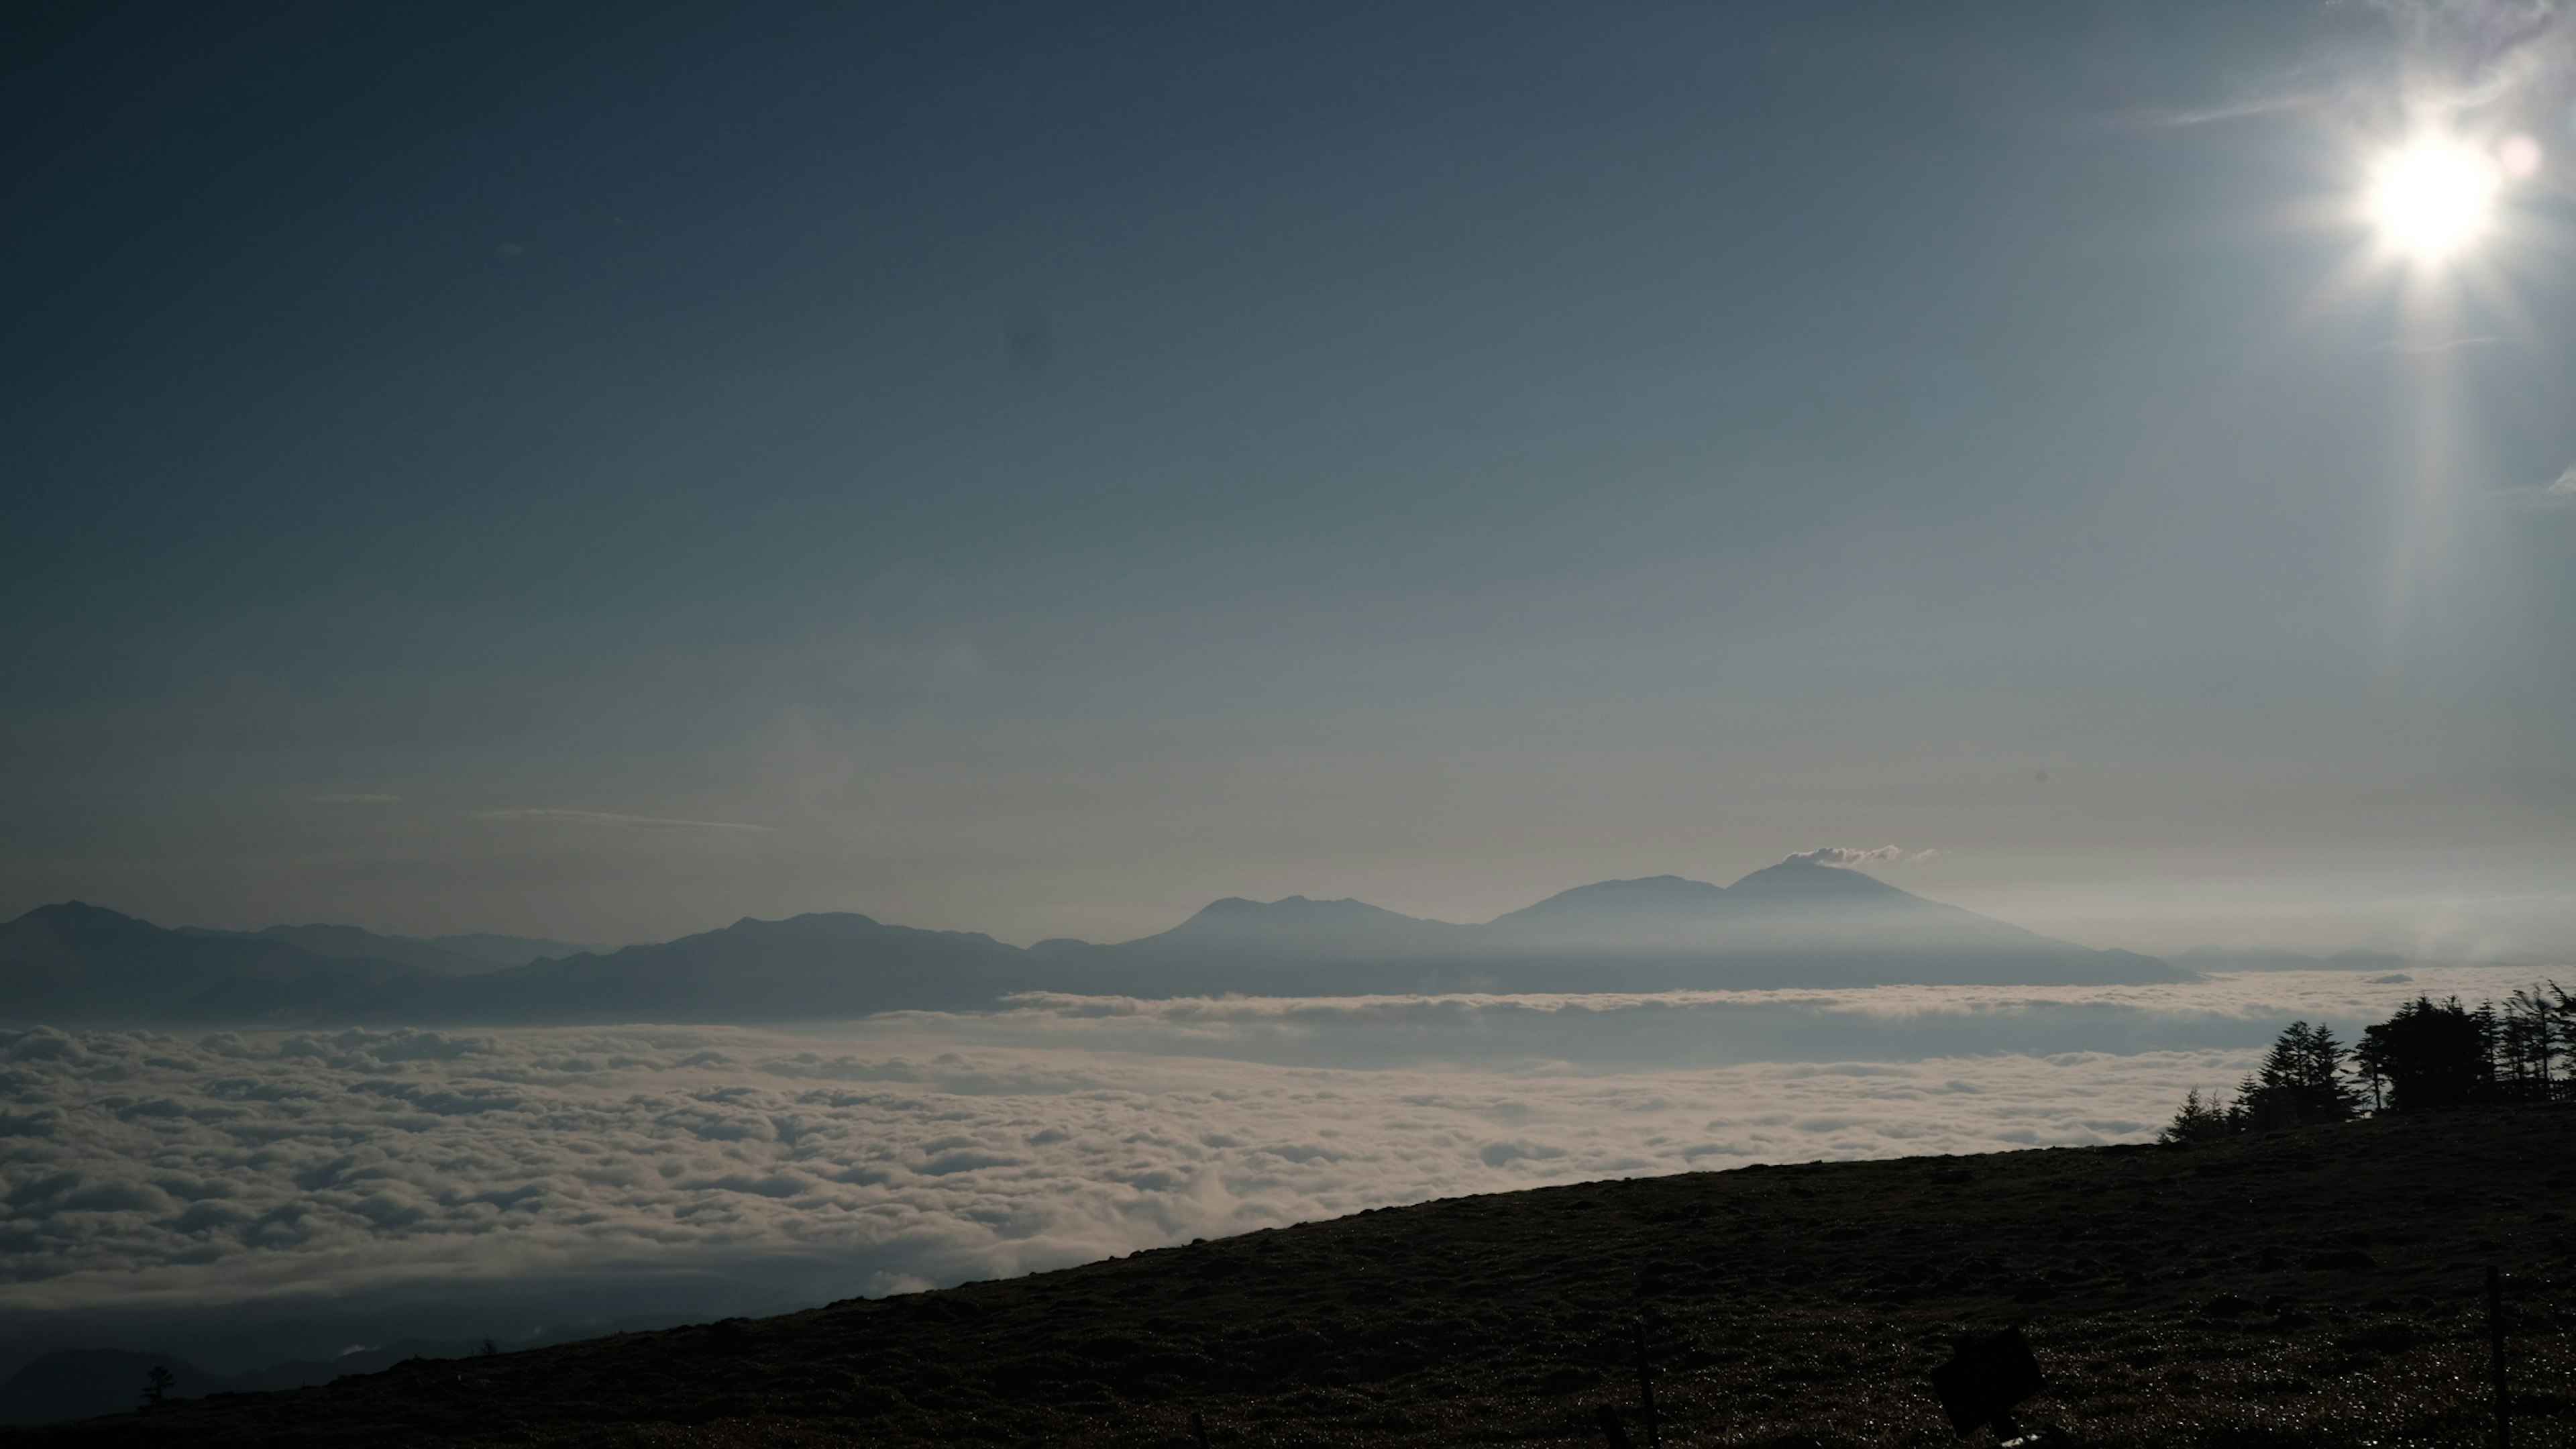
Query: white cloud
x=248 y=1165
x=1845 y=855
x=140 y=1168
x=629 y=822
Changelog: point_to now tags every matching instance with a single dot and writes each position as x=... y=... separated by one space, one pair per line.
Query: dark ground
x=2317 y=1287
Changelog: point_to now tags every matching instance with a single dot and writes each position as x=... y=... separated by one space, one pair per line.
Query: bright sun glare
x=2433 y=198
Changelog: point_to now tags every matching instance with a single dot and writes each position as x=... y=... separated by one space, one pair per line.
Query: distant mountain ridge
x=75 y=962
x=447 y=955
x=815 y=967
x=1796 y=924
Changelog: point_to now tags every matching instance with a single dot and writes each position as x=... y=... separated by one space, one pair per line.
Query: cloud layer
x=150 y=1166
x=141 y=1168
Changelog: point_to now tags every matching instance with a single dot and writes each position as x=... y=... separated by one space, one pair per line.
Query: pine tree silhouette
x=2198 y=1121
x=2300 y=1082
x=2432 y=1056
x=2530 y=1032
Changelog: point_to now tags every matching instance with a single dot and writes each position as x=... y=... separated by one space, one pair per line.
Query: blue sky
x=608 y=472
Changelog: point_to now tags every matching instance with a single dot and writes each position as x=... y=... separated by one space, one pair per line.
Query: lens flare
x=2433 y=199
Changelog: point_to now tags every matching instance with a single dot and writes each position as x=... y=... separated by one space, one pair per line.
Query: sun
x=2433 y=198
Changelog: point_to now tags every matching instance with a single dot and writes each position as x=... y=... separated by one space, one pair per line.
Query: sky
x=604 y=471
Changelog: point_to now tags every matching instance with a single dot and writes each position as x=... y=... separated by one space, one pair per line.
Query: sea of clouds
x=662 y=1171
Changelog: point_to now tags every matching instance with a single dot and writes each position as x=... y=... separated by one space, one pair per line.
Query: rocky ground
x=2318 y=1287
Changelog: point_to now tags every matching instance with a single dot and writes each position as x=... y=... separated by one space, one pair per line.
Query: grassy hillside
x=2319 y=1287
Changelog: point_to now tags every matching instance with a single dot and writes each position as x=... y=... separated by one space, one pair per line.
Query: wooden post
x=1198 y=1429
x=2495 y=1337
x=1607 y=1417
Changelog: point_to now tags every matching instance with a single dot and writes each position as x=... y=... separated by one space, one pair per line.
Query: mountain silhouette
x=77 y=963
x=491 y=949
x=1794 y=924
x=1288 y=947
x=1797 y=924
x=350 y=943
x=806 y=967
x=80 y=1383
x=1658 y=911
x=1297 y=925
x=447 y=955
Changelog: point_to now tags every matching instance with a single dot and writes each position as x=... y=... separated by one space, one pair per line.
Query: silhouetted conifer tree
x=2423 y=1056
x=2432 y=1056
x=2300 y=1082
x=2562 y=1037
x=2198 y=1121
x=2528 y=1039
x=2373 y=1074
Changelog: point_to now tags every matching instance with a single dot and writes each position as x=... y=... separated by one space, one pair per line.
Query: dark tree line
x=2427 y=1055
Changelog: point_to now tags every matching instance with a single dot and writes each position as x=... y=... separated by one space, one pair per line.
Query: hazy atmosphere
x=670 y=661
x=601 y=473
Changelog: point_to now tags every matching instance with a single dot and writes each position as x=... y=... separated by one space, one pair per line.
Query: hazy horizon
x=2442 y=929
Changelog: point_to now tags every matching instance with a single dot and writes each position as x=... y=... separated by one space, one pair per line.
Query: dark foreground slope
x=2315 y=1288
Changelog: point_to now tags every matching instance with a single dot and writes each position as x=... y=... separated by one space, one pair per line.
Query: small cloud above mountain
x=1846 y=856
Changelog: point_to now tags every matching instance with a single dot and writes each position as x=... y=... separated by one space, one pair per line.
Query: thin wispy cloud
x=2554 y=497
x=2463 y=56
x=2248 y=108
x=353 y=797
x=624 y=822
x=2518 y=46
